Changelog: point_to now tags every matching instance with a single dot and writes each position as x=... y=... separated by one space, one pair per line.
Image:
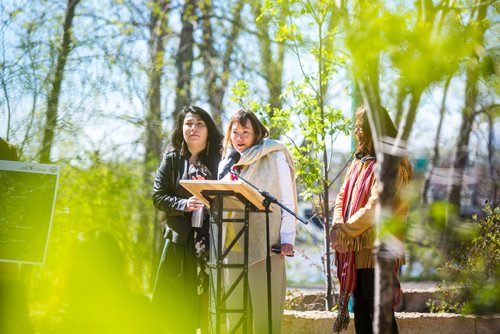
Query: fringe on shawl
x=365 y=240
x=342 y=321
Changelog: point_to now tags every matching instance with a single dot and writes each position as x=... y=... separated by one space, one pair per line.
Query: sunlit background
x=110 y=90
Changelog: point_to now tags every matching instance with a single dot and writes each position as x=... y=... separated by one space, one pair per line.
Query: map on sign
x=27 y=198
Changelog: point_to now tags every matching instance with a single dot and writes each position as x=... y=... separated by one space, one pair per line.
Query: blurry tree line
x=68 y=67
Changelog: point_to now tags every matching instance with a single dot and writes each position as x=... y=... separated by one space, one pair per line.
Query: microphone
x=233 y=158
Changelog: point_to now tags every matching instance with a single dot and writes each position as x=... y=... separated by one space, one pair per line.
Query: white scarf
x=260 y=167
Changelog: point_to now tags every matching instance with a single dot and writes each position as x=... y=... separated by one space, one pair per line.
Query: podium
x=230 y=204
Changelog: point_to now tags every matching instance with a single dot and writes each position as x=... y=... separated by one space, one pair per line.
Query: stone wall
x=320 y=322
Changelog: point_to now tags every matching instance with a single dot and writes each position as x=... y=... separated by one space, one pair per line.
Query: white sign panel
x=27 y=199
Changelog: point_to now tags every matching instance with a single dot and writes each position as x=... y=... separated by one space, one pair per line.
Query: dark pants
x=175 y=292
x=363 y=299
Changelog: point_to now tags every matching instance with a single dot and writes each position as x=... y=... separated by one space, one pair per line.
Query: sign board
x=27 y=199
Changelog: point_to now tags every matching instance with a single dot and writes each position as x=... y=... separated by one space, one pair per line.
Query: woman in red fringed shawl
x=353 y=230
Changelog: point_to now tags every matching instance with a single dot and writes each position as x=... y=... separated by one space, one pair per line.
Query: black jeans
x=363 y=299
x=175 y=292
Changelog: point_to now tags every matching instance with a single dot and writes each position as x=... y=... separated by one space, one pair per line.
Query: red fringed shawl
x=346 y=266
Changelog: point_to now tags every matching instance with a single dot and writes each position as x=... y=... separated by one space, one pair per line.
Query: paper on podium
x=195 y=187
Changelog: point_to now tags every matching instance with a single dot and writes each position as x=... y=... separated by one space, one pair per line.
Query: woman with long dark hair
x=352 y=234
x=181 y=282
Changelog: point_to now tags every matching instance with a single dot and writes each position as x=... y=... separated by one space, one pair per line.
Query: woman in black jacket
x=181 y=283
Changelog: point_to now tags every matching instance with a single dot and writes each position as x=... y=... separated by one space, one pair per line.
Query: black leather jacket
x=169 y=196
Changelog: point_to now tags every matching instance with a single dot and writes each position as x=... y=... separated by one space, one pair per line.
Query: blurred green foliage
x=93 y=292
x=472 y=276
x=418 y=48
x=104 y=196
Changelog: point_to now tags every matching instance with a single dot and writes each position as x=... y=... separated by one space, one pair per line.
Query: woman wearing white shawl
x=267 y=164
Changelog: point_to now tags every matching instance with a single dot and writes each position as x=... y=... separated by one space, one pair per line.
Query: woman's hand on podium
x=193 y=204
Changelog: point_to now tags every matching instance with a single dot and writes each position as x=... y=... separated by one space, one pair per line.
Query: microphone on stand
x=233 y=158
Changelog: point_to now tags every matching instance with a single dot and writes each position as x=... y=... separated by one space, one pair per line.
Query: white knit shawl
x=259 y=166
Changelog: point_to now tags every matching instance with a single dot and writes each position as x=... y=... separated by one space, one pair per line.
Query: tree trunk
x=56 y=81
x=184 y=57
x=461 y=154
x=409 y=117
x=7 y=101
x=325 y=181
x=385 y=255
x=217 y=82
x=435 y=156
x=402 y=93
x=158 y=31
x=491 y=155
x=468 y=113
x=326 y=212
x=36 y=91
x=272 y=65
x=356 y=102
x=386 y=171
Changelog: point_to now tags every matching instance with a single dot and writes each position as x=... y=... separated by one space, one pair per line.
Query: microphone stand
x=268 y=199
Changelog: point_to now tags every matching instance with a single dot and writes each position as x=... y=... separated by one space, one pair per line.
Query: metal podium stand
x=221 y=197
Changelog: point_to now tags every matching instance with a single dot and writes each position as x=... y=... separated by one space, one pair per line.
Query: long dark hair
x=210 y=156
x=365 y=145
x=242 y=116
